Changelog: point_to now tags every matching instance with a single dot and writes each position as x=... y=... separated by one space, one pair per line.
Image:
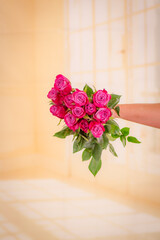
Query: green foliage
x=112 y=122
x=63 y=133
x=112 y=150
x=97 y=151
x=132 y=139
x=110 y=138
x=105 y=141
x=95 y=166
x=117 y=110
x=91 y=143
x=78 y=144
x=115 y=136
x=86 y=155
x=59 y=122
x=110 y=127
x=51 y=103
x=114 y=100
x=107 y=128
x=123 y=140
x=88 y=90
x=95 y=90
x=115 y=130
x=125 y=131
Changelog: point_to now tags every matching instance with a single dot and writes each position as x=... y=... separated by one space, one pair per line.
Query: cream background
x=114 y=44
x=92 y=42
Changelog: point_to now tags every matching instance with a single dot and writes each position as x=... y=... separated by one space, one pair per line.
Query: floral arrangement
x=88 y=117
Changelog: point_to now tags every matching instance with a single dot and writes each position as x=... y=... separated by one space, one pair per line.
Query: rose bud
x=90 y=108
x=68 y=100
x=62 y=84
x=84 y=126
x=58 y=111
x=80 y=97
x=96 y=129
x=78 y=112
x=75 y=127
x=101 y=98
x=70 y=120
x=103 y=115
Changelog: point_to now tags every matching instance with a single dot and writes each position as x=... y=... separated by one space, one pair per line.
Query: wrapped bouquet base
x=87 y=115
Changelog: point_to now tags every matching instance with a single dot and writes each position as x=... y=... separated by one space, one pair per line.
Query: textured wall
x=114 y=44
x=32 y=53
x=49 y=47
x=17 y=81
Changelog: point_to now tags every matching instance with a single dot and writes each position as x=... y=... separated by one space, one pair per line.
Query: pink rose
x=90 y=108
x=68 y=100
x=78 y=112
x=58 y=111
x=75 y=127
x=103 y=115
x=101 y=98
x=60 y=99
x=84 y=125
x=80 y=97
x=62 y=84
x=54 y=95
x=96 y=129
x=70 y=120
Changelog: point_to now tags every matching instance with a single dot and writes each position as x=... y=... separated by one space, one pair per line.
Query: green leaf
x=112 y=150
x=112 y=122
x=125 y=131
x=117 y=110
x=86 y=155
x=90 y=144
x=51 y=103
x=132 y=139
x=63 y=133
x=83 y=135
x=111 y=118
x=110 y=137
x=95 y=166
x=123 y=140
x=95 y=90
x=97 y=151
x=105 y=141
x=115 y=136
x=100 y=140
x=88 y=90
x=74 y=136
x=78 y=144
x=107 y=128
x=114 y=100
x=115 y=130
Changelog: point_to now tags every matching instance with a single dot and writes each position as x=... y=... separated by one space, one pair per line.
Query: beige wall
x=17 y=122
x=32 y=54
x=114 y=44
x=49 y=47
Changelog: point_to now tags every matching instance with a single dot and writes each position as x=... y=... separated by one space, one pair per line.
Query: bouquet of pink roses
x=88 y=117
